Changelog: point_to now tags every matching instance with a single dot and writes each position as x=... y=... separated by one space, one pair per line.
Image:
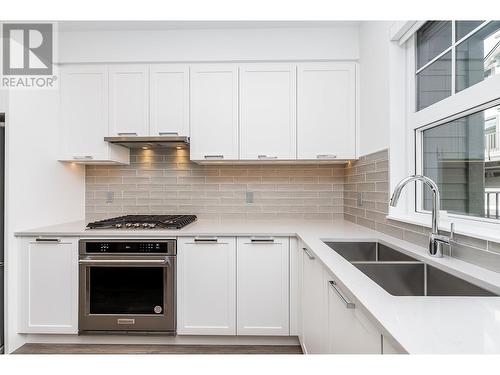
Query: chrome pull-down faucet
x=436 y=240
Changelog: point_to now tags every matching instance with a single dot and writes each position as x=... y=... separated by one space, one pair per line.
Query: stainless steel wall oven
x=127 y=286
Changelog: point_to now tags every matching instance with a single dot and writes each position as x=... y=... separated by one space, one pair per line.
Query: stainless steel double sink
x=402 y=275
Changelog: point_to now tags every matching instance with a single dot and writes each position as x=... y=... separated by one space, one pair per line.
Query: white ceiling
x=172 y=25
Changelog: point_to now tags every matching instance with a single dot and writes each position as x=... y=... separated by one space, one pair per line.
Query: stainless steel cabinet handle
x=48 y=240
x=308 y=253
x=83 y=157
x=125 y=261
x=326 y=156
x=206 y=239
x=347 y=303
x=214 y=156
x=262 y=240
x=127 y=133
x=169 y=133
x=267 y=157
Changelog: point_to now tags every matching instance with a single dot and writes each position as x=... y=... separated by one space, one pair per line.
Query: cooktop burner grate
x=144 y=222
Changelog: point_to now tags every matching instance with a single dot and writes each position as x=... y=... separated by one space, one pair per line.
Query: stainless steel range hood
x=149 y=142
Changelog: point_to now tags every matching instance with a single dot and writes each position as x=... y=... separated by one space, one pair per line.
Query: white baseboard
x=165 y=340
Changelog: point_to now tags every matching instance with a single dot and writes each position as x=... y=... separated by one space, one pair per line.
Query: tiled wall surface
x=165 y=181
x=370 y=176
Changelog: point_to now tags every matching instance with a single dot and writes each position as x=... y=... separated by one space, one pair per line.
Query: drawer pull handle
x=267 y=157
x=214 y=157
x=83 y=157
x=48 y=240
x=348 y=304
x=308 y=253
x=206 y=240
x=127 y=133
x=326 y=156
x=173 y=134
x=261 y=240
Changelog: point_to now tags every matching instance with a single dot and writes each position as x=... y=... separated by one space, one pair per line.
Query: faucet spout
x=435 y=239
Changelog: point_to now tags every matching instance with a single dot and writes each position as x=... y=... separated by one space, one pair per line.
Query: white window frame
x=407 y=126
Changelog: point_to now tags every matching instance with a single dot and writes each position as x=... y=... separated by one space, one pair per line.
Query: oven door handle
x=164 y=261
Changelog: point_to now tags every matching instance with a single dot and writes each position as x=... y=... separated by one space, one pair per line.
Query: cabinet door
x=84 y=112
x=129 y=100
x=48 y=282
x=263 y=286
x=214 y=112
x=267 y=112
x=350 y=331
x=169 y=100
x=326 y=111
x=314 y=305
x=206 y=286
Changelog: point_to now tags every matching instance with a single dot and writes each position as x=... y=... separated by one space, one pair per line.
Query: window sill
x=471 y=228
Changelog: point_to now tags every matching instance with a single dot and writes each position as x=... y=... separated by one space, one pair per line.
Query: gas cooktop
x=144 y=222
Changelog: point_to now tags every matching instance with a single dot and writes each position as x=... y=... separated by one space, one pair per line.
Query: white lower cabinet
x=48 y=282
x=314 y=338
x=206 y=286
x=350 y=331
x=263 y=286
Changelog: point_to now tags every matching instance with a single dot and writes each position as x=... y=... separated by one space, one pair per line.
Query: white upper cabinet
x=169 y=100
x=263 y=286
x=267 y=112
x=84 y=116
x=129 y=100
x=326 y=111
x=214 y=112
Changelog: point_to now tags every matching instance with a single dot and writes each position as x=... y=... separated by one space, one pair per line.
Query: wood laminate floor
x=156 y=349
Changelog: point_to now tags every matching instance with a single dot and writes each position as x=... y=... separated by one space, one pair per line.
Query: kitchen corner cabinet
x=169 y=100
x=129 y=100
x=48 y=286
x=84 y=117
x=326 y=111
x=267 y=112
x=263 y=286
x=206 y=286
x=314 y=305
x=214 y=112
x=350 y=331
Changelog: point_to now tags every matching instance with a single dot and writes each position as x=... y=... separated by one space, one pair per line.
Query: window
x=457 y=141
x=452 y=56
x=462 y=156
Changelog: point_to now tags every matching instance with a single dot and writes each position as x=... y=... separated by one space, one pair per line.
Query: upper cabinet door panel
x=169 y=99
x=214 y=112
x=129 y=100
x=326 y=113
x=84 y=111
x=267 y=111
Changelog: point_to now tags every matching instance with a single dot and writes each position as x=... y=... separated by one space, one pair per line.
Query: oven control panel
x=128 y=247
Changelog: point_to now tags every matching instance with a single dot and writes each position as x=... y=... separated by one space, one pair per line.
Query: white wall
x=374 y=86
x=321 y=43
x=40 y=190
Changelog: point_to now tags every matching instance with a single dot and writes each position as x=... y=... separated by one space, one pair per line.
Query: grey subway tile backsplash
x=374 y=168
x=166 y=181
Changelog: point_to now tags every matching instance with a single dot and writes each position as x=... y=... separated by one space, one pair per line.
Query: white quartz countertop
x=424 y=325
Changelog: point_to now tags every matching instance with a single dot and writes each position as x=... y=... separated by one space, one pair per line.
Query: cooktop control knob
x=118 y=226
x=128 y=225
x=137 y=225
x=145 y=225
x=152 y=226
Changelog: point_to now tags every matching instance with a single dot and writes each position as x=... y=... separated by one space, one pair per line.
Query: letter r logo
x=27 y=49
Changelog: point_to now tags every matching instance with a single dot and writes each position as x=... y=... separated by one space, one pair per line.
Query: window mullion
x=453 y=56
